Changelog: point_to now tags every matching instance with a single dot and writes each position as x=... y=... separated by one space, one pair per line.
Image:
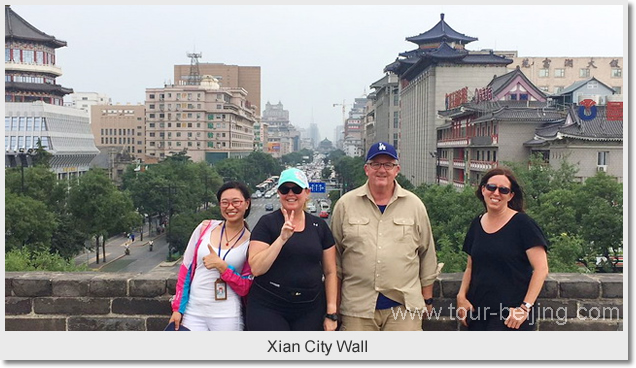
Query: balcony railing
x=482 y=165
x=453 y=142
x=459 y=162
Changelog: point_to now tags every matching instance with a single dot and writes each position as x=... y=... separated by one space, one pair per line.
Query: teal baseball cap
x=293 y=175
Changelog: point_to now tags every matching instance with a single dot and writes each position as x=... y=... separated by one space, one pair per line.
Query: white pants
x=198 y=323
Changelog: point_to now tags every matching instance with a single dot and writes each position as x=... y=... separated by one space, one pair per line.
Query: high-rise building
x=439 y=65
x=283 y=138
x=34 y=110
x=385 y=109
x=208 y=122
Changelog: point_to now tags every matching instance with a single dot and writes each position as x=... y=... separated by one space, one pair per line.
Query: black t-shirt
x=297 y=271
x=501 y=271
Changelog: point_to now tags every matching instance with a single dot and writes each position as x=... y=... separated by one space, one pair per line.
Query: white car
x=311 y=208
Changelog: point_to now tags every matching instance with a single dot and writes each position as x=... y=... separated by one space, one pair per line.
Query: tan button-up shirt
x=392 y=253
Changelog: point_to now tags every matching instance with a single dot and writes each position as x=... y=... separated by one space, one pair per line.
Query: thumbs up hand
x=213 y=260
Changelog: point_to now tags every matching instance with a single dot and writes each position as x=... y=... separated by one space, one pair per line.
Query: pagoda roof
x=15 y=27
x=55 y=89
x=597 y=129
x=441 y=32
x=443 y=53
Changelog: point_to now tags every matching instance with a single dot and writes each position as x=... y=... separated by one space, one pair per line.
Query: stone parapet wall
x=90 y=301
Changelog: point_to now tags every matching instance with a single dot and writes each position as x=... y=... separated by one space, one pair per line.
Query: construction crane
x=344 y=106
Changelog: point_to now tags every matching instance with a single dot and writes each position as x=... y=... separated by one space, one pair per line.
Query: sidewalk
x=115 y=248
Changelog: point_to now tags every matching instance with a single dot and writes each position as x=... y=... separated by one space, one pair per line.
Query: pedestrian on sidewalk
x=215 y=273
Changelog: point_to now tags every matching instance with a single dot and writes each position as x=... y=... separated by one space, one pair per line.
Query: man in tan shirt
x=385 y=251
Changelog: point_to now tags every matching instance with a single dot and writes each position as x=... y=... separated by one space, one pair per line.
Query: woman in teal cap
x=293 y=259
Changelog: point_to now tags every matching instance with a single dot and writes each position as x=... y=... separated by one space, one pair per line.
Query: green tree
x=28 y=222
x=67 y=240
x=295 y=158
x=567 y=254
x=182 y=225
x=40 y=183
x=350 y=172
x=100 y=209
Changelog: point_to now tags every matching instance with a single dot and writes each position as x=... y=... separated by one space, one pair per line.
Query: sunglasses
x=296 y=189
x=493 y=187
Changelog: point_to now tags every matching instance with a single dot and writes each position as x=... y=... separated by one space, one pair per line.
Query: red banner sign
x=456 y=98
x=614 y=110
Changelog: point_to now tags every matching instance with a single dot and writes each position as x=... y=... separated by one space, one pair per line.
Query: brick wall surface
x=89 y=301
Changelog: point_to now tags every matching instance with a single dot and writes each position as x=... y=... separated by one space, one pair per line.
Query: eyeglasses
x=388 y=166
x=493 y=187
x=296 y=189
x=235 y=202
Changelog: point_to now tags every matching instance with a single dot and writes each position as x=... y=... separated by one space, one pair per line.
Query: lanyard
x=232 y=247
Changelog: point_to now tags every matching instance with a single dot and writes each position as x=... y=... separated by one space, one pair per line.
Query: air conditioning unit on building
x=602 y=168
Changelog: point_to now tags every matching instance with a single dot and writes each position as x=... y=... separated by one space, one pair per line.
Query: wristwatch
x=428 y=301
x=527 y=305
x=332 y=316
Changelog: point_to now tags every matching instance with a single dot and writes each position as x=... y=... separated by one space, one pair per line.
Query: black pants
x=496 y=321
x=267 y=312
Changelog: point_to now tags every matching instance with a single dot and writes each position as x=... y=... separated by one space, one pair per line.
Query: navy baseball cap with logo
x=381 y=148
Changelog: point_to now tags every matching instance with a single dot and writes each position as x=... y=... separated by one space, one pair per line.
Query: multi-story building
x=553 y=74
x=207 y=121
x=490 y=127
x=353 y=143
x=386 y=110
x=120 y=126
x=84 y=100
x=260 y=136
x=30 y=70
x=591 y=141
x=246 y=77
x=439 y=65
x=34 y=110
x=283 y=138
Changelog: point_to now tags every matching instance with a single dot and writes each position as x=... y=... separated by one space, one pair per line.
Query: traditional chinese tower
x=439 y=65
x=29 y=62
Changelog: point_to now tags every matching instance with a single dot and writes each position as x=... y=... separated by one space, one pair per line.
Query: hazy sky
x=311 y=57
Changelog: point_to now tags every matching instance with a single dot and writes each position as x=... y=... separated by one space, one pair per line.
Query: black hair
x=236 y=185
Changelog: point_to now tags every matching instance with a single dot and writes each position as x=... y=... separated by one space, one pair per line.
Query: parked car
x=324 y=214
x=311 y=208
x=269 y=207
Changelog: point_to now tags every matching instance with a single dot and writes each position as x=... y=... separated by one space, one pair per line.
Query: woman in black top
x=290 y=251
x=507 y=260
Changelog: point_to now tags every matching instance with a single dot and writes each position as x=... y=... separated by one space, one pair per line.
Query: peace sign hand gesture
x=288 y=227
